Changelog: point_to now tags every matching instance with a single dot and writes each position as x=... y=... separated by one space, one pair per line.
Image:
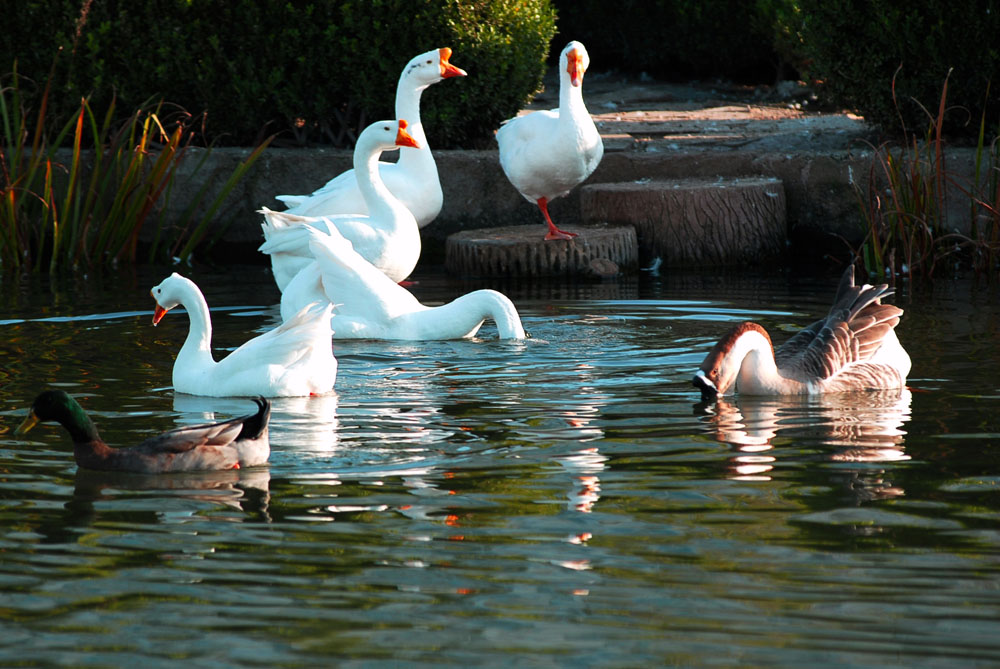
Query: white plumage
x=545 y=154
x=296 y=358
x=414 y=178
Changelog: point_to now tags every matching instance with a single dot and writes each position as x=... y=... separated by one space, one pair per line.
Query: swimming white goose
x=369 y=305
x=387 y=236
x=231 y=444
x=294 y=359
x=414 y=178
x=545 y=154
x=853 y=348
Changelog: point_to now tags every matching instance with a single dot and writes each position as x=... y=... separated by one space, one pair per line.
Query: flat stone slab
x=695 y=222
x=521 y=250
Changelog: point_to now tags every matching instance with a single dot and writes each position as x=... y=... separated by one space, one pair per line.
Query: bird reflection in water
x=584 y=466
x=863 y=427
x=305 y=424
x=246 y=490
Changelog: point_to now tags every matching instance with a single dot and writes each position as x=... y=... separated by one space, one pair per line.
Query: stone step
x=695 y=222
x=521 y=251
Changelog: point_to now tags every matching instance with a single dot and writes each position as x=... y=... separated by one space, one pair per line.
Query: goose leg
x=554 y=232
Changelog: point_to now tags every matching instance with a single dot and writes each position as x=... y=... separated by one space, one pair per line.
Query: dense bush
x=681 y=39
x=856 y=46
x=315 y=70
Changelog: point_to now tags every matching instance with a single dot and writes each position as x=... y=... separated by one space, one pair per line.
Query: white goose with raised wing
x=369 y=305
x=387 y=236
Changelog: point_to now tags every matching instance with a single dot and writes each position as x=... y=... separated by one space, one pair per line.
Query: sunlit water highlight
x=562 y=500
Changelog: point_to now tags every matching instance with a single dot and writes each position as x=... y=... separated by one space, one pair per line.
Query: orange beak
x=447 y=69
x=574 y=65
x=404 y=138
x=159 y=312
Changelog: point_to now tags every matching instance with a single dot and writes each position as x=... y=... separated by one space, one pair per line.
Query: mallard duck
x=387 y=236
x=369 y=305
x=231 y=444
x=546 y=154
x=294 y=359
x=853 y=348
x=413 y=179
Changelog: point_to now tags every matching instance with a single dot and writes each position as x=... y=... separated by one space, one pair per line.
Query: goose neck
x=758 y=372
x=408 y=107
x=200 y=321
x=482 y=304
x=381 y=202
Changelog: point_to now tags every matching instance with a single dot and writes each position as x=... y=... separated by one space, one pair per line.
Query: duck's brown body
x=235 y=443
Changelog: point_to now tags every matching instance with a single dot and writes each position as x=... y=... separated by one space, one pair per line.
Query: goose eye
x=386 y=128
x=429 y=62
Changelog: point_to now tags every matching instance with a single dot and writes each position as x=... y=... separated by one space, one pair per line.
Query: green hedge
x=676 y=40
x=856 y=46
x=314 y=70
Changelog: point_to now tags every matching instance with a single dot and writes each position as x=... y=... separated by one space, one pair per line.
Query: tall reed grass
x=904 y=204
x=85 y=205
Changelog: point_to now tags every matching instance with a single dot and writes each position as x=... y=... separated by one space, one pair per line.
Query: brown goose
x=235 y=443
x=853 y=348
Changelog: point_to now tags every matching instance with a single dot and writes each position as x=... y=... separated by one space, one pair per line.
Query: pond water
x=566 y=500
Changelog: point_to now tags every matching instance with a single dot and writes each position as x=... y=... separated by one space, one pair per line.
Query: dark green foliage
x=681 y=39
x=314 y=70
x=857 y=46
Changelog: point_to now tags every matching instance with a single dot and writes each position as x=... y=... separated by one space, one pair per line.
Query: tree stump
x=521 y=250
x=695 y=221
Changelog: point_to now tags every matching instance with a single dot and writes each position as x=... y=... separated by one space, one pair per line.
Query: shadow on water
x=566 y=499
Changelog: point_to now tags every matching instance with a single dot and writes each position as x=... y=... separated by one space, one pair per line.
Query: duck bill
x=708 y=390
x=26 y=424
x=158 y=313
x=447 y=69
x=574 y=66
x=404 y=138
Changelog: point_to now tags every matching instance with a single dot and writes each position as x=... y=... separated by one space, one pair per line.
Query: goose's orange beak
x=574 y=65
x=159 y=312
x=447 y=69
x=404 y=138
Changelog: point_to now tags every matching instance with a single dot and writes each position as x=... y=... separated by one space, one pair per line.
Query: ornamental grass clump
x=907 y=230
x=85 y=205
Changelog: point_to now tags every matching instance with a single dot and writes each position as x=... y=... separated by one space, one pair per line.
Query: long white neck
x=758 y=373
x=571 y=105
x=197 y=348
x=382 y=204
x=463 y=316
x=408 y=107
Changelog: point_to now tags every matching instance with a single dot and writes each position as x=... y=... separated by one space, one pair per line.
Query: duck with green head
x=231 y=444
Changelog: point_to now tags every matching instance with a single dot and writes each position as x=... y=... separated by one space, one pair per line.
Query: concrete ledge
x=819 y=188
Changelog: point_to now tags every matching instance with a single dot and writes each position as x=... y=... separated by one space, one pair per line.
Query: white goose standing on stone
x=387 y=236
x=414 y=178
x=853 y=348
x=545 y=154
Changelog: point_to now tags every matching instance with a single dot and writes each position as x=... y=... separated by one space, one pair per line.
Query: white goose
x=294 y=359
x=387 y=236
x=853 y=348
x=546 y=154
x=369 y=305
x=414 y=178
